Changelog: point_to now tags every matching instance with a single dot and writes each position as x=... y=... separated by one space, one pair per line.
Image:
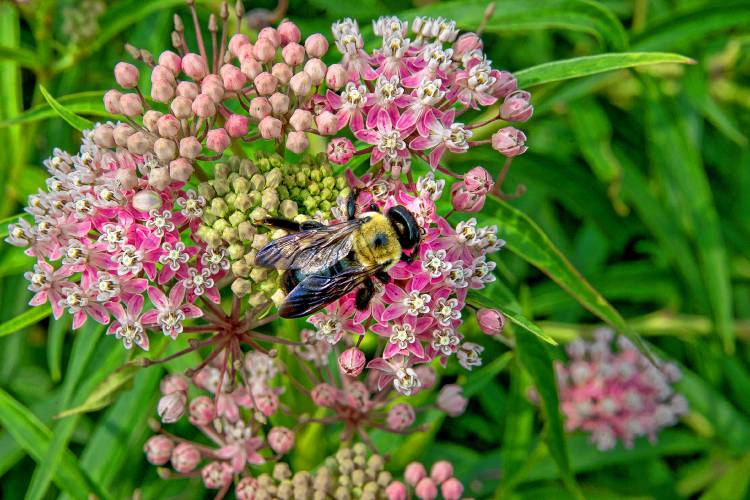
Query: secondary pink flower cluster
x=427 y=487
x=103 y=238
x=406 y=97
x=617 y=394
x=418 y=313
x=232 y=417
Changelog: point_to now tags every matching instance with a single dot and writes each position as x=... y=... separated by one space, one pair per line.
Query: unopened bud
x=126 y=75
x=297 y=142
x=131 y=105
x=316 y=45
x=194 y=66
x=317 y=70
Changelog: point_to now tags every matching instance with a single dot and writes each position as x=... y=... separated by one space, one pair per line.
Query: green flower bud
x=258 y=274
x=273 y=178
x=288 y=209
x=209 y=219
x=250 y=257
x=243 y=202
x=316 y=175
x=233 y=177
x=278 y=233
x=220 y=225
x=229 y=234
x=310 y=204
x=221 y=186
x=384 y=477
x=329 y=182
x=276 y=161
x=258 y=214
x=257 y=299
x=326 y=194
x=236 y=251
x=211 y=236
x=278 y=297
x=241 y=287
x=236 y=218
x=258 y=182
x=206 y=190
x=260 y=240
x=283 y=192
x=314 y=188
x=270 y=200
x=255 y=198
x=247 y=168
x=268 y=287
x=325 y=207
x=301 y=179
x=240 y=268
x=263 y=165
x=341 y=184
x=221 y=171
x=240 y=185
x=326 y=169
x=295 y=192
x=300 y=218
x=218 y=207
x=230 y=198
x=246 y=231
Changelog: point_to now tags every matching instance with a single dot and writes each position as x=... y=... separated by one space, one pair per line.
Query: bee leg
x=351 y=204
x=364 y=294
x=288 y=281
x=413 y=255
x=383 y=277
x=288 y=225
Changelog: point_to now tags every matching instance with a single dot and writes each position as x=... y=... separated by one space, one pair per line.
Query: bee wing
x=311 y=250
x=317 y=290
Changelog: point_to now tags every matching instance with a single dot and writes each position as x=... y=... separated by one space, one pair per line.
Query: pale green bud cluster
x=351 y=474
x=243 y=192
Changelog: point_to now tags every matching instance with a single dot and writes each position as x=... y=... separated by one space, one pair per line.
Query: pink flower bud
x=465 y=201
x=400 y=417
x=180 y=170
x=289 y=33
x=121 y=134
x=297 y=142
x=301 y=83
x=451 y=400
x=201 y=411
x=509 y=141
x=127 y=179
x=426 y=375
x=171 y=61
x=158 y=449
x=190 y=147
x=491 y=321
x=173 y=382
x=216 y=475
x=172 y=407
x=352 y=362
x=251 y=68
x=151 y=120
x=246 y=488
x=165 y=149
x=260 y=108
x=466 y=44
x=163 y=73
x=159 y=178
x=478 y=181
x=516 y=107
x=441 y=471
x=316 y=69
x=301 y=120
x=236 y=42
x=327 y=123
x=426 y=489
x=396 y=491
x=126 y=75
x=270 y=127
x=131 y=105
x=282 y=72
x=168 y=126
x=237 y=125
x=271 y=35
x=265 y=83
x=139 y=143
x=194 y=66
x=279 y=103
x=267 y=403
x=188 y=89
x=213 y=87
x=203 y=106
x=112 y=101
x=182 y=107
x=263 y=50
x=452 y=489
x=104 y=136
x=146 y=200
x=185 y=458
x=245 y=52
x=414 y=473
x=324 y=395
x=218 y=140
x=281 y=440
x=316 y=45
x=293 y=54
x=162 y=91
x=336 y=76
x=505 y=83
x=232 y=78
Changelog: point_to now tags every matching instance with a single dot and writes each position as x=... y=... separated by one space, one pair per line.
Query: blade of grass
x=73 y=119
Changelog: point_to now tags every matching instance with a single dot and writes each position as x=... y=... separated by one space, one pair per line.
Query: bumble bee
x=322 y=263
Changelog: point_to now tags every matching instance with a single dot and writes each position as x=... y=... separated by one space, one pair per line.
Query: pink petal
x=157 y=298
x=391 y=350
x=393 y=311
x=368 y=136
x=436 y=154
x=357 y=121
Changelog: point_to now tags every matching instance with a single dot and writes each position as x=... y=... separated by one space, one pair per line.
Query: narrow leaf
x=84 y=103
x=26 y=318
x=105 y=393
x=73 y=119
x=511 y=310
x=23 y=57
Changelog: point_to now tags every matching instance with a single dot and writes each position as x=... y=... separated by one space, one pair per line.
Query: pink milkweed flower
x=451 y=400
x=390 y=59
x=425 y=97
x=81 y=304
x=340 y=150
x=244 y=450
x=444 y=342
x=350 y=43
x=434 y=63
x=388 y=140
x=474 y=84
x=350 y=106
x=398 y=371
x=47 y=283
x=170 y=312
x=388 y=96
x=174 y=259
x=335 y=321
x=199 y=282
x=443 y=134
x=409 y=300
x=216 y=475
x=403 y=336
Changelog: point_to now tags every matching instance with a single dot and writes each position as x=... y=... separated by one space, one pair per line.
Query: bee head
x=406 y=226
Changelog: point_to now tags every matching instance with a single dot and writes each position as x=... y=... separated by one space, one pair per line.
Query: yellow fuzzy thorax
x=376 y=242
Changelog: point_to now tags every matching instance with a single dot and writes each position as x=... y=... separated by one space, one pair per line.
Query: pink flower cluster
x=103 y=238
x=232 y=418
x=427 y=487
x=405 y=98
x=418 y=313
x=616 y=394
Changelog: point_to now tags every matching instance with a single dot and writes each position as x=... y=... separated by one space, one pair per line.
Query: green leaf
x=477 y=380
x=511 y=310
x=73 y=119
x=733 y=483
x=23 y=57
x=105 y=393
x=28 y=317
x=34 y=437
x=537 y=361
x=84 y=103
x=590 y=65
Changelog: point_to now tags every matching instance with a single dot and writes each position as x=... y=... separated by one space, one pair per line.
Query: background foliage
x=638 y=179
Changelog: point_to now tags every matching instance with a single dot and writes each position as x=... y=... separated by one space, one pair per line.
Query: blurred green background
x=641 y=178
